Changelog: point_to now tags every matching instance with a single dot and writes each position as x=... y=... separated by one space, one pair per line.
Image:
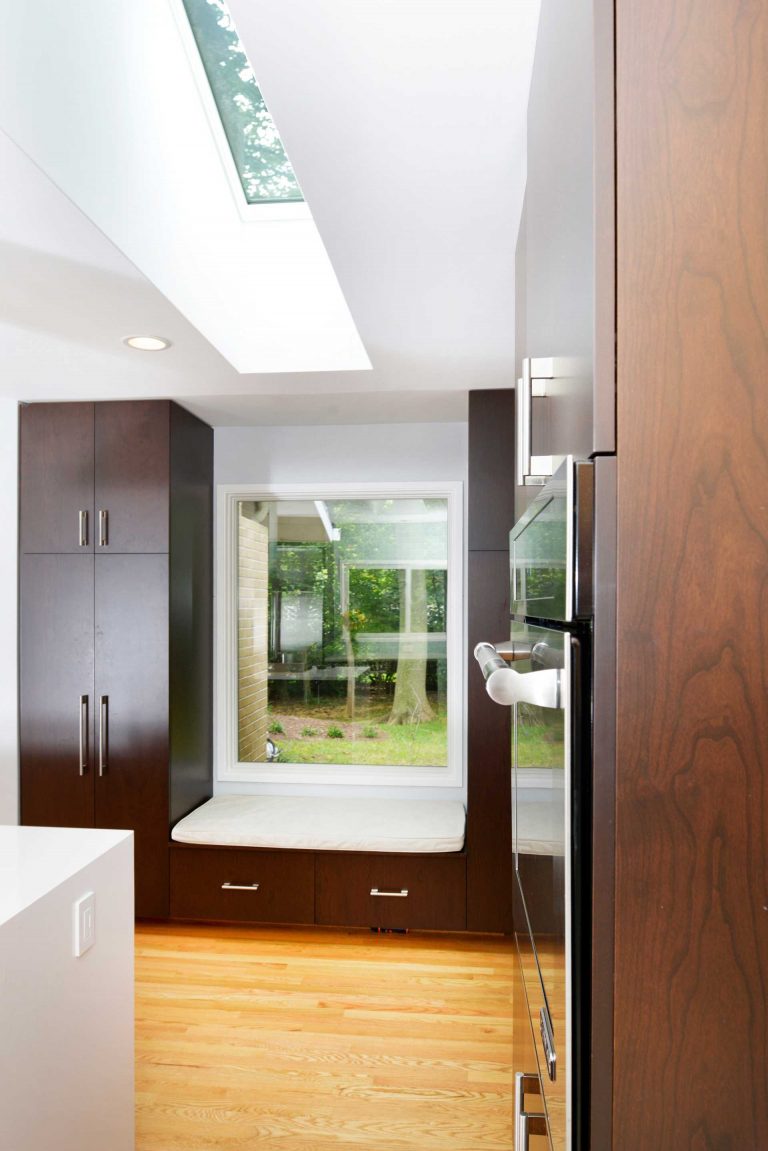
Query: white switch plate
x=84 y=923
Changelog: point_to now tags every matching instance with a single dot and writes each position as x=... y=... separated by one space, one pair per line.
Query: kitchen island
x=66 y=1019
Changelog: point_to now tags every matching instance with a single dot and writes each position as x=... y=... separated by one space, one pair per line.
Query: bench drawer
x=242 y=885
x=391 y=891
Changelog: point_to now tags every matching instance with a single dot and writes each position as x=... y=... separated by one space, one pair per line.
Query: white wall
x=9 y=742
x=342 y=454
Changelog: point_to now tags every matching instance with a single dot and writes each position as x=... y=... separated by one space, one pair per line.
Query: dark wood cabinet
x=94 y=477
x=56 y=690
x=245 y=885
x=116 y=643
x=131 y=472
x=131 y=705
x=56 y=478
x=490 y=514
x=391 y=891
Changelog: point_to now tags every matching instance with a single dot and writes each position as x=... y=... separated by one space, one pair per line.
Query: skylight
x=264 y=169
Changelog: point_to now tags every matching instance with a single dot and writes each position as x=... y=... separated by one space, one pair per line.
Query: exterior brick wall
x=253 y=583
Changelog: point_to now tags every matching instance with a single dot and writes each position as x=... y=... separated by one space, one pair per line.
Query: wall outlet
x=84 y=923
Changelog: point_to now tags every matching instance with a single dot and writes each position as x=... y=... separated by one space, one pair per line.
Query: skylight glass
x=264 y=169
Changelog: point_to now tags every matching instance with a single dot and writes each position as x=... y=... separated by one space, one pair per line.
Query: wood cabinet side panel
x=191 y=613
x=489 y=755
x=491 y=469
x=691 y=988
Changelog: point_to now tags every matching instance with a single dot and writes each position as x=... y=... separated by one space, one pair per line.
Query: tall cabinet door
x=56 y=474
x=131 y=714
x=132 y=460
x=56 y=690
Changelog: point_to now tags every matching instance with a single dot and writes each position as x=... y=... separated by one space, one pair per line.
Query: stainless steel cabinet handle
x=527 y=1122
x=83 y=725
x=402 y=894
x=82 y=529
x=103 y=528
x=507 y=686
x=103 y=732
x=239 y=887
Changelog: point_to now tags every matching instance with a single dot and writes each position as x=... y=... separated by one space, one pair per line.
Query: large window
x=341 y=634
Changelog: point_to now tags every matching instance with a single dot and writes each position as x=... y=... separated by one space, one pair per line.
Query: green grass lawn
x=423 y=744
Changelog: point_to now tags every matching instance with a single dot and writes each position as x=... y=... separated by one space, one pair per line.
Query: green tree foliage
x=265 y=170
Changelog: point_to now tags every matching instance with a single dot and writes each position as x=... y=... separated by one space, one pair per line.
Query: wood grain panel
x=132 y=475
x=132 y=673
x=56 y=670
x=56 y=476
x=491 y=461
x=191 y=612
x=489 y=755
x=435 y=886
x=285 y=879
x=691 y=1022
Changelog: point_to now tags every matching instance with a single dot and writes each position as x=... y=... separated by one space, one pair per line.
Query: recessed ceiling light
x=147 y=343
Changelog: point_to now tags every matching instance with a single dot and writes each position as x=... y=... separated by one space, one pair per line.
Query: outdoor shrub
x=370 y=732
x=276 y=728
x=308 y=732
x=335 y=733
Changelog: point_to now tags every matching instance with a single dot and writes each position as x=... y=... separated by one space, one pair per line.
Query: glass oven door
x=541 y=820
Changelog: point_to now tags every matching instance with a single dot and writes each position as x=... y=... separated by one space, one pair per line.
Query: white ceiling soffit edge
x=405 y=120
x=102 y=97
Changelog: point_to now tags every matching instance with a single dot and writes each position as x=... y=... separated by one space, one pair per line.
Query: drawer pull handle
x=239 y=887
x=391 y=894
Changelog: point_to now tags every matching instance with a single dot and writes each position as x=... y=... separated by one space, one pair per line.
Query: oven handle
x=507 y=686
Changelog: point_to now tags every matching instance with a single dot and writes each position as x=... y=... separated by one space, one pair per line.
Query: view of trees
x=357 y=636
x=265 y=170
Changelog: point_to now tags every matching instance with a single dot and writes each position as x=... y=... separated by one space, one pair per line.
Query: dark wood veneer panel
x=603 y=802
x=132 y=671
x=489 y=756
x=132 y=475
x=691 y=1025
x=191 y=615
x=285 y=879
x=56 y=658
x=56 y=476
x=491 y=493
x=435 y=885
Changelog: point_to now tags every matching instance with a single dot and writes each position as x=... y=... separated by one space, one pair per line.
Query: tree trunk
x=351 y=678
x=410 y=704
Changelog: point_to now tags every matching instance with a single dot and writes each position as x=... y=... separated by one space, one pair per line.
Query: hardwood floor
x=288 y=1038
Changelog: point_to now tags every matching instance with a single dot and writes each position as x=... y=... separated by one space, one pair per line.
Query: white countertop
x=35 y=860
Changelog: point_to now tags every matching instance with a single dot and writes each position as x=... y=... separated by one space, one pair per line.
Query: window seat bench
x=381 y=863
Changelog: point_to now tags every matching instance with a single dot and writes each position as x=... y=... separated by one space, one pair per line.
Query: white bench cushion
x=325 y=824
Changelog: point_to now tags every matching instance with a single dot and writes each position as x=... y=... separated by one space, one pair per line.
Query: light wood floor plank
x=282 y=1039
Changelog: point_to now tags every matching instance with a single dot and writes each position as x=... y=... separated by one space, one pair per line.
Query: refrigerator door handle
x=506 y=686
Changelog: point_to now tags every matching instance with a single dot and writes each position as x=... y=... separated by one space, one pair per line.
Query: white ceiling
x=404 y=120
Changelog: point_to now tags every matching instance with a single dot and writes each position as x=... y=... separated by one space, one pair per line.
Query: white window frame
x=228 y=767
